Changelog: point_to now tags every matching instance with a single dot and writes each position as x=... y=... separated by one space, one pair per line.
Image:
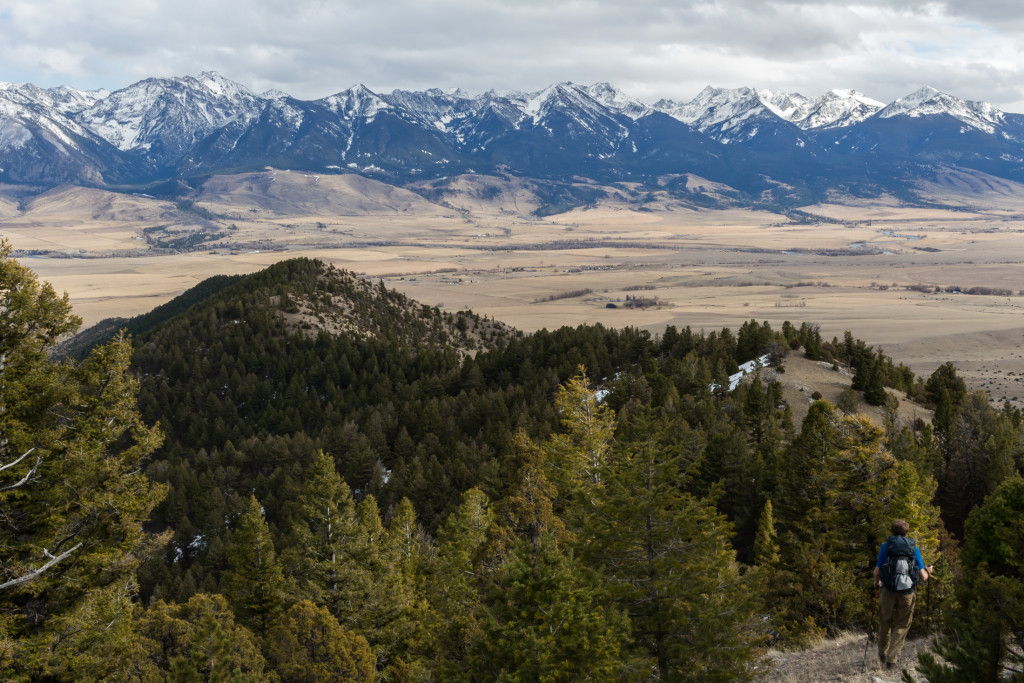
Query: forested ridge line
x=352 y=485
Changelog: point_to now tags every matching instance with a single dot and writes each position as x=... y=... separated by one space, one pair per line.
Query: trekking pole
x=871 y=626
x=928 y=606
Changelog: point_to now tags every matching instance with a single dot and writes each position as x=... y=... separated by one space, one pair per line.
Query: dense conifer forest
x=301 y=476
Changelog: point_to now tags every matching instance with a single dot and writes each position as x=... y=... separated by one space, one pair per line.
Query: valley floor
x=895 y=276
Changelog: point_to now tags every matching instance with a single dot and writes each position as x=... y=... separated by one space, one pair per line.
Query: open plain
x=926 y=284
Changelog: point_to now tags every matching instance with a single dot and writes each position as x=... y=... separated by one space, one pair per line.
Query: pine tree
x=255 y=583
x=198 y=641
x=307 y=645
x=547 y=622
x=985 y=641
x=385 y=608
x=981 y=447
x=325 y=535
x=766 y=548
x=72 y=497
x=910 y=500
x=409 y=545
x=460 y=573
x=874 y=389
x=835 y=478
x=528 y=509
x=578 y=454
x=668 y=562
x=409 y=553
x=834 y=501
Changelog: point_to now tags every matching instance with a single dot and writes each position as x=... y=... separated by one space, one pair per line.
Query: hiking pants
x=894 y=613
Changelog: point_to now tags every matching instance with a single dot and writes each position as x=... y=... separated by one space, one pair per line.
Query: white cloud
x=649 y=48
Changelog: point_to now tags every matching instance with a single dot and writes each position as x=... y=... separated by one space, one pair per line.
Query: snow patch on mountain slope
x=838 y=109
x=20 y=121
x=721 y=110
x=274 y=94
x=62 y=98
x=616 y=100
x=174 y=111
x=930 y=102
x=356 y=102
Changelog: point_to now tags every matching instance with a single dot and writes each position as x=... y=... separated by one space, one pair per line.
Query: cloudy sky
x=648 y=48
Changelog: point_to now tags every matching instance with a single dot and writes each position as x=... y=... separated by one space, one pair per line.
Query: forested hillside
x=352 y=486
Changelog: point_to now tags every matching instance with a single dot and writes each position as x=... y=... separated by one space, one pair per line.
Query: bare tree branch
x=38 y=572
x=12 y=464
x=28 y=475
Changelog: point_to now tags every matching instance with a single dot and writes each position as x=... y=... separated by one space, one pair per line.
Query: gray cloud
x=649 y=48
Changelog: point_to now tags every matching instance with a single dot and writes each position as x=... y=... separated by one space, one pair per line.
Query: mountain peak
x=174 y=111
x=927 y=101
x=838 y=108
x=163 y=128
x=716 y=110
x=218 y=85
x=358 y=101
x=615 y=99
x=908 y=103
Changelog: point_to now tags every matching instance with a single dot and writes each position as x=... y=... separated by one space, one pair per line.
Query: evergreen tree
x=834 y=501
x=72 y=497
x=668 y=562
x=386 y=610
x=307 y=645
x=409 y=546
x=910 y=500
x=835 y=478
x=578 y=455
x=460 y=573
x=547 y=622
x=198 y=641
x=409 y=552
x=981 y=448
x=848 y=401
x=255 y=583
x=733 y=471
x=325 y=533
x=528 y=509
x=810 y=339
x=874 y=389
x=986 y=630
x=945 y=379
x=766 y=548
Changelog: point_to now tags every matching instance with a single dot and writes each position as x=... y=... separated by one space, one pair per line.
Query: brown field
x=480 y=247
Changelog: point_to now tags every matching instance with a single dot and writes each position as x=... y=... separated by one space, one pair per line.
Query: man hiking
x=897 y=572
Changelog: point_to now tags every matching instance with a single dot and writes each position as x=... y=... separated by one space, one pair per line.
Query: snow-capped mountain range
x=754 y=140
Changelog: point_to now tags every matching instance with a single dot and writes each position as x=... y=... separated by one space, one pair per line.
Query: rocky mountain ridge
x=772 y=147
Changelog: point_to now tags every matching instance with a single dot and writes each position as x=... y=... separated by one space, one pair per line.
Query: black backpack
x=900 y=573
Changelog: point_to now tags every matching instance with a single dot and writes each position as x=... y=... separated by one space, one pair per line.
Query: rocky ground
x=847 y=659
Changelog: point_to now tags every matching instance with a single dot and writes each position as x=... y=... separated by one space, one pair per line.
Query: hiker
x=897 y=572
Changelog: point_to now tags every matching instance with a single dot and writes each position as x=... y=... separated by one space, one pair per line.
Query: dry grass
x=846 y=659
x=803 y=377
x=481 y=248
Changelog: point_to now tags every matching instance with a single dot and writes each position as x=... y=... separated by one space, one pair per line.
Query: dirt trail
x=841 y=660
